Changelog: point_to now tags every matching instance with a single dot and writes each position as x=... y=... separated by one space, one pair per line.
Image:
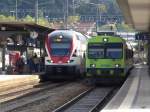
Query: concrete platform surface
x=134 y=95
x=4 y=78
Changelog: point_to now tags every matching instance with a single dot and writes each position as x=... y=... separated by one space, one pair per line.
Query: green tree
x=2 y=17
x=28 y=18
x=10 y=18
x=44 y=22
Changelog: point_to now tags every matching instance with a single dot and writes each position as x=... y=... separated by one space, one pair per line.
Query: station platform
x=8 y=77
x=14 y=77
x=134 y=95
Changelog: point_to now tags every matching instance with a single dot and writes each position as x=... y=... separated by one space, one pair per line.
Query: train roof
x=69 y=33
x=65 y=31
x=106 y=39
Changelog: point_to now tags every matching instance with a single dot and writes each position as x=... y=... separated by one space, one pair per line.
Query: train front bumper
x=105 y=72
x=60 y=69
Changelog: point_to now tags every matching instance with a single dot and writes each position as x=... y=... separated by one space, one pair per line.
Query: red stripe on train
x=59 y=59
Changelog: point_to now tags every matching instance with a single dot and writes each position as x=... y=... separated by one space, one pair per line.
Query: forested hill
x=58 y=7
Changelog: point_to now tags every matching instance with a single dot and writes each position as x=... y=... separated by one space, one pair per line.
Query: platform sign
x=142 y=36
x=127 y=35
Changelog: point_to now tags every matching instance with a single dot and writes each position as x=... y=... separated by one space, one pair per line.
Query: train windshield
x=105 y=50
x=95 y=51
x=60 y=45
x=60 y=49
x=114 y=53
x=114 y=50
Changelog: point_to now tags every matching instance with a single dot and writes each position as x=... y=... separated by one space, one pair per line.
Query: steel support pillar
x=148 y=53
x=3 y=57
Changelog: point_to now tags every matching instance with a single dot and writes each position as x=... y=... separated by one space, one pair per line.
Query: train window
x=95 y=51
x=107 y=50
x=60 y=52
x=60 y=45
x=60 y=49
x=114 y=53
x=114 y=50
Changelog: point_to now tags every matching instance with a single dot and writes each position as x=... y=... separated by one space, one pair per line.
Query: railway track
x=18 y=99
x=91 y=100
x=25 y=90
x=43 y=97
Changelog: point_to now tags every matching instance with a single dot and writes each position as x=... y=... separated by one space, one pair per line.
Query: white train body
x=66 y=50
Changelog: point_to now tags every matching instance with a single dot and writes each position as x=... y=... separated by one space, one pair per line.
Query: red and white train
x=65 y=54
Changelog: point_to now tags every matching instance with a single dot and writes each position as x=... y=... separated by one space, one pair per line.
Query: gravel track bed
x=88 y=102
x=45 y=101
x=23 y=90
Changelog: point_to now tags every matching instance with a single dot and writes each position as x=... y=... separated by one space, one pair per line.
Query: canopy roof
x=23 y=26
x=137 y=13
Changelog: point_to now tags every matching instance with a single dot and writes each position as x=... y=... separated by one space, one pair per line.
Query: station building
x=20 y=39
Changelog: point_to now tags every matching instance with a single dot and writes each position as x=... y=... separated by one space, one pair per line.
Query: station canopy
x=137 y=13
x=9 y=28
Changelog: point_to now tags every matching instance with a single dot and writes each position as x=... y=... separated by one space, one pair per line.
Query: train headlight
x=51 y=61
x=105 y=39
x=93 y=65
x=117 y=65
x=68 y=61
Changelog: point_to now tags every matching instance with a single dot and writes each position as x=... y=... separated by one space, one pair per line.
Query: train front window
x=114 y=50
x=60 y=52
x=60 y=44
x=60 y=49
x=95 y=51
x=114 y=53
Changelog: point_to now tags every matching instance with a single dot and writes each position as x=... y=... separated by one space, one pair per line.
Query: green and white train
x=108 y=59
